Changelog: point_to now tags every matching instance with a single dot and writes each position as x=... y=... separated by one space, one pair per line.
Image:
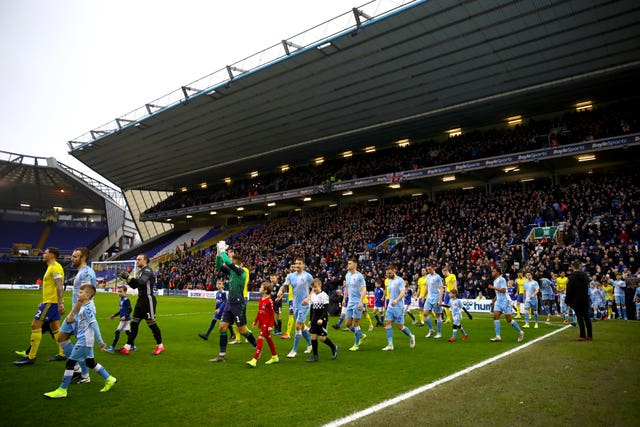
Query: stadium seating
x=570 y=128
x=468 y=230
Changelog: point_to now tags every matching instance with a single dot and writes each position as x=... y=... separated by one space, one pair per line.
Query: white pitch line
x=389 y=402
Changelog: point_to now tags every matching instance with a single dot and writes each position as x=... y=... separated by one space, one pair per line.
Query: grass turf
x=181 y=385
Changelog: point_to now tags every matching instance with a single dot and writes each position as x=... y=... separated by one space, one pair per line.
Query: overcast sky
x=69 y=66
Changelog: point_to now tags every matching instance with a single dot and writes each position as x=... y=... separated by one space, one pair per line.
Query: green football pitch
x=550 y=381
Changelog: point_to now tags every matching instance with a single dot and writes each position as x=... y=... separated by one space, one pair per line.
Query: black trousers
x=584 y=321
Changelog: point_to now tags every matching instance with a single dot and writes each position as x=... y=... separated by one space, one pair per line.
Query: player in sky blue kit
x=221 y=299
x=546 y=290
x=301 y=281
x=395 y=309
x=87 y=332
x=618 y=295
x=85 y=276
x=355 y=290
x=456 y=308
x=501 y=304
x=433 y=302
x=531 y=291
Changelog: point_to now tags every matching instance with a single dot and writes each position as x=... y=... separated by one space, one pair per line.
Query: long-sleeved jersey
x=125 y=308
x=319 y=308
x=88 y=331
x=143 y=281
x=238 y=276
x=265 y=316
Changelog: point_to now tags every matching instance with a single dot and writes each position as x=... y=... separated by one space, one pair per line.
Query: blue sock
x=462 y=330
x=439 y=325
x=358 y=333
x=306 y=335
x=340 y=320
x=83 y=367
x=67 y=347
x=535 y=316
x=526 y=317
x=406 y=331
x=389 y=332
x=66 y=379
x=496 y=327
x=428 y=322
x=455 y=332
x=516 y=326
x=101 y=371
x=296 y=340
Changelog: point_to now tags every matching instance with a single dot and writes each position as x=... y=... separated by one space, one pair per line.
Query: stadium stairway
x=195 y=234
x=43 y=237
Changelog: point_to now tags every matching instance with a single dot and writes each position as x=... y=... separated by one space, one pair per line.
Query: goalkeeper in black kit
x=145 y=307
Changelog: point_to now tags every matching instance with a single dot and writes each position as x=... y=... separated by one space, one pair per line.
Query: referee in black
x=145 y=305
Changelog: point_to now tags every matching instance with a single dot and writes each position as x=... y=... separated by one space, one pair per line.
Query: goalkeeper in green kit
x=234 y=309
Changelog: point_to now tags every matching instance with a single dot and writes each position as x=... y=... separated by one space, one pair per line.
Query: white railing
x=308 y=39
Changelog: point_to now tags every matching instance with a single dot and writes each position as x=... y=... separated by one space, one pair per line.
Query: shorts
x=320 y=330
x=520 y=298
x=124 y=325
x=378 y=308
x=532 y=304
x=503 y=307
x=619 y=299
x=145 y=308
x=81 y=353
x=456 y=318
x=47 y=312
x=432 y=305
x=264 y=329
x=67 y=328
x=277 y=306
x=234 y=312
x=421 y=303
x=395 y=314
x=353 y=312
x=301 y=313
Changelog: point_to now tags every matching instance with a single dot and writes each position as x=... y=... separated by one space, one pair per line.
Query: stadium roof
x=42 y=184
x=410 y=72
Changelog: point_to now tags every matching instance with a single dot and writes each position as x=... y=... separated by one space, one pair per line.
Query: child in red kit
x=265 y=320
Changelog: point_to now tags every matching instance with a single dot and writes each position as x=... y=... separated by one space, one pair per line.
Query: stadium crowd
x=571 y=128
x=468 y=231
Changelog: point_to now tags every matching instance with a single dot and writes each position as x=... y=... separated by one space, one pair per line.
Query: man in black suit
x=578 y=299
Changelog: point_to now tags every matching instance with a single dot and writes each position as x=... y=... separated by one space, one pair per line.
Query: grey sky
x=69 y=66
